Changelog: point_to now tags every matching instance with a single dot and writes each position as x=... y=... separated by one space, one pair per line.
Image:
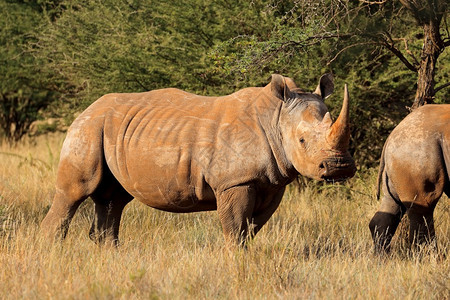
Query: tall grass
x=317 y=245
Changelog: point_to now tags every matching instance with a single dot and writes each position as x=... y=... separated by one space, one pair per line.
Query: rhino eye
x=302 y=140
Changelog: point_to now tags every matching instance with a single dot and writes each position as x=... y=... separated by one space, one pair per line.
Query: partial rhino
x=414 y=172
x=181 y=152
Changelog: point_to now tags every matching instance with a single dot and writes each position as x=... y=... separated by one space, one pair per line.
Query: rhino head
x=316 y=146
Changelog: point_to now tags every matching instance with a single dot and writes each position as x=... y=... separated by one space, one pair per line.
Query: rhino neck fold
x=268 y=112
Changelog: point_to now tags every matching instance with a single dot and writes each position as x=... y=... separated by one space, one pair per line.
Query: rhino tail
x=380 y=171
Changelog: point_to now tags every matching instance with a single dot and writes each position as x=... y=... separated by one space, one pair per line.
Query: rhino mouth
x=337 y=169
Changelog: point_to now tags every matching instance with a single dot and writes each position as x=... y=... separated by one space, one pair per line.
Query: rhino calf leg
x=235 y=207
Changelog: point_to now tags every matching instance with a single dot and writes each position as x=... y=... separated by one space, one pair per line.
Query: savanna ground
x=316 y=246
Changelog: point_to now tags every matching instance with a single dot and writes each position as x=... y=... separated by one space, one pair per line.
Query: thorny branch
x=441 y=87
x=374 y=2
x=405 y=41
x=307 y=42
x=348 y=47
x=426 y=11
x=431 y=10
x=388 y=42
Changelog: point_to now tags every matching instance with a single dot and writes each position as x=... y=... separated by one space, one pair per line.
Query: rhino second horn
x=327 y=121
x=339 y=133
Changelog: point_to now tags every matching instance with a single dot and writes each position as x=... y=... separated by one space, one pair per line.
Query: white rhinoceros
x=414 y=172
x=181 y=152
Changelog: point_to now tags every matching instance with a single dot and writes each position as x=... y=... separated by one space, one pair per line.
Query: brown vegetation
x=317 y=245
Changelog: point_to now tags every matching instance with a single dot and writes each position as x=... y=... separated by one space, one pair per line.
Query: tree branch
x=306 y=42
x=412 y=7
x=416 y=62
x=389 y=44
x=348 y=47
x=441 y=87
x=323 y=37
x=374 y=2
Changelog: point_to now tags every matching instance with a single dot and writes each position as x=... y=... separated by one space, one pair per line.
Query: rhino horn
x=339 y=133
x=327 y=121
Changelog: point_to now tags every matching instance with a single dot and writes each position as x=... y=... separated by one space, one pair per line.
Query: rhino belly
x=163 y=177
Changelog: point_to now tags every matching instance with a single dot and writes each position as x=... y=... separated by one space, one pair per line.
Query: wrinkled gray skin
x=181 y=152
x=414 y=172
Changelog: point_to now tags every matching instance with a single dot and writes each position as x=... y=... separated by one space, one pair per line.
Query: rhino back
x=173 y=149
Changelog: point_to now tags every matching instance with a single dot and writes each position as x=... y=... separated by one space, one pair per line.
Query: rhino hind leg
x=74 y=183
x=385 y=221
x=421 y=230
x=56 y=222
x=110 y=198
x=382 y=227
x=79 y=173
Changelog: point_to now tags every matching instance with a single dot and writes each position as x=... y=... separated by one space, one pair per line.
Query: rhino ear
x=280 y=88
x=290 y=83
x=326 y=86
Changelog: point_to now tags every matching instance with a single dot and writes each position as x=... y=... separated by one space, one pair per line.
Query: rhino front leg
x=106 y=223
x=235 y=208
x=384 y=224
x=272 y=202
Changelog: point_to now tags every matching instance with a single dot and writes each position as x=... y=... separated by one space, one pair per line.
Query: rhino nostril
x=323 y=169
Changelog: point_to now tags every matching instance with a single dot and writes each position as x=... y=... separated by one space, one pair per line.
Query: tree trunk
x=430 y=53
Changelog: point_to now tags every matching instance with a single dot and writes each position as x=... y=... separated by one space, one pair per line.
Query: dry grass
x=316 y=246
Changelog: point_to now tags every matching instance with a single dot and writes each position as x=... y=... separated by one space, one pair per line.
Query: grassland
x=316 y=246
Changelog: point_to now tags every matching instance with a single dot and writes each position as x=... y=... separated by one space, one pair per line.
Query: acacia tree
x=26 y=87
x=19 y=101
x=133 y=46
x=344 y=25
x=429 y=15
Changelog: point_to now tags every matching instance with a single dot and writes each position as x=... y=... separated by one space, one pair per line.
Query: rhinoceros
x=413 y=174
x=180 y=152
